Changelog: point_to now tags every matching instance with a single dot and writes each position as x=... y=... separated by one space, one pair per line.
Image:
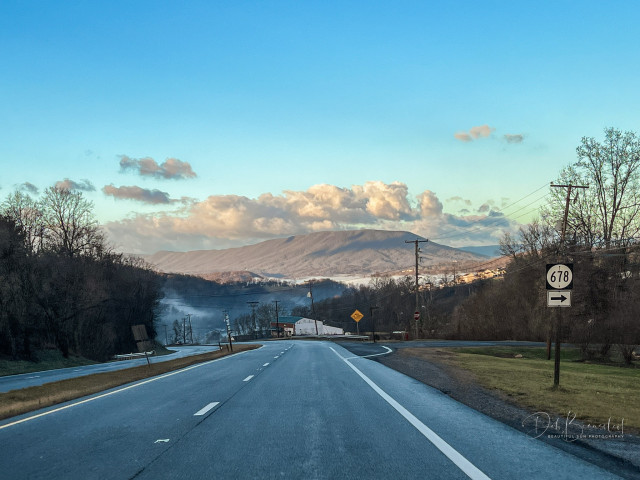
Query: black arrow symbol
x=562 y=298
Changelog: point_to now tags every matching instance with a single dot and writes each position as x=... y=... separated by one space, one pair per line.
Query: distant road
x=290 y=409
x=24 y=380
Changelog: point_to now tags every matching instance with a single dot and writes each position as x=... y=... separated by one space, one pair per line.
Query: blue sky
x=302 y=116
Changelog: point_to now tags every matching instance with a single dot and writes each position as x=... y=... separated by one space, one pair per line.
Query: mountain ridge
x=330 y=253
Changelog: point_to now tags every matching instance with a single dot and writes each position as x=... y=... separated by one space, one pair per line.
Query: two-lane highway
x=287 y=410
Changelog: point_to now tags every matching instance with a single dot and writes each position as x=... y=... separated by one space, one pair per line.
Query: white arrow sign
x=558 y=298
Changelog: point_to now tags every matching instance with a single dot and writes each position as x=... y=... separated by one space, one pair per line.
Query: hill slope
x=355 y=252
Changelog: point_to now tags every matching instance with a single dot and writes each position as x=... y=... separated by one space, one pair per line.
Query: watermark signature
x=570 y=429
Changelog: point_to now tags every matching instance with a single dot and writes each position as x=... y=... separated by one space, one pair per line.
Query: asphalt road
x=287 y=410
x=24 y=380
x=369 y=348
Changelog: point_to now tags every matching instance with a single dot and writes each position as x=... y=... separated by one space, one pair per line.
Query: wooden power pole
x=563 y=254
x=417 y=242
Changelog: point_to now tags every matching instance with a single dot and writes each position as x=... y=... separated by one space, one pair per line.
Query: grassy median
x=595 y=393
x=25 y=400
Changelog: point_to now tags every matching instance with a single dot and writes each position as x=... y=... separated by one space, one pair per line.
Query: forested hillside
x=62 y=287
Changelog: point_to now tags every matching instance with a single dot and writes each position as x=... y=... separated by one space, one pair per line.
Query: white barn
x=307 y=326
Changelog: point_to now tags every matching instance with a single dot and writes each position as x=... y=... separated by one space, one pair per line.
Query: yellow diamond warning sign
x=357 y=316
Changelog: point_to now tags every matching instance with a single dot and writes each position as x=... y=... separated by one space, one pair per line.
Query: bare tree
x=609 y=211
x=71 y=228
x=26 y=214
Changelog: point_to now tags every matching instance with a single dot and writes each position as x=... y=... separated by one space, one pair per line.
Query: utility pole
x=166 y=337
x=226 y=319
x=417 y=242
x=277 y=319
x=563 y=253
x=184 y=330
x=313 y=310
x=373 y=324
x=253 y=316
x=190 y=328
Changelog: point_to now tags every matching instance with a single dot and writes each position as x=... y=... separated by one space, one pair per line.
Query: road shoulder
x=620 y=457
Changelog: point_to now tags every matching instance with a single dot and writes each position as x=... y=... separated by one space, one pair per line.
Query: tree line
x=62 y=286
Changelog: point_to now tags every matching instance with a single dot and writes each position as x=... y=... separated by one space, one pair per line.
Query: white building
x=290 y=326
x=307 y=326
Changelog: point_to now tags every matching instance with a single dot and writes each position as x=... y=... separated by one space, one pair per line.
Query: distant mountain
x=490 y=251
x=321 y=254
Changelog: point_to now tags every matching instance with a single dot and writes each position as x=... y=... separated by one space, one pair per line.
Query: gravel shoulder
x=435 y=369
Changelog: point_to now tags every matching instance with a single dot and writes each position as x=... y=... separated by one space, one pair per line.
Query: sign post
x=357 y=316
x=559 y=285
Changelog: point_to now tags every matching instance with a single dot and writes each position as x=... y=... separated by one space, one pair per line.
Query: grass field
x=595 y=393
x=17 y=402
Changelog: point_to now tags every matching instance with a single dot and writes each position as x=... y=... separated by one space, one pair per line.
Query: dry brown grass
x=594 y=393
x=17 y=402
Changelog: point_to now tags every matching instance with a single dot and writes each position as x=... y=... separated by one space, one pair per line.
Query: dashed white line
x=266 y=364
x=204 y=410
x=248 y=378
x=276 y=356
x=461 y=462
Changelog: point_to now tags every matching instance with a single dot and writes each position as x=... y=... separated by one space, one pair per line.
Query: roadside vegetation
x=41 y=360
x=593 y=392
x=17 y=402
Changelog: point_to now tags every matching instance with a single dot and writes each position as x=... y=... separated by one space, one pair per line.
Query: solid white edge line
x=204 y=410
x=452 y=454
x=248 y=378
x=373 y=354
x=153 y=379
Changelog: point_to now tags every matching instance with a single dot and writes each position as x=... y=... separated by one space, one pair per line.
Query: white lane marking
x=462 y=463
x=248 y=378
x=204 y=410
x=161 y=440
x=266 y=364
x=35 y=376
x=276 y=356
x=119 y=390
x=373 y=354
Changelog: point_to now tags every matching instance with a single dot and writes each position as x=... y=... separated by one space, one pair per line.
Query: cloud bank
x=170 y=169
x=223 y=221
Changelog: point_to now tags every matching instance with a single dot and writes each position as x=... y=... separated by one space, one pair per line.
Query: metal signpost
x=559 y=285
x=357 y=316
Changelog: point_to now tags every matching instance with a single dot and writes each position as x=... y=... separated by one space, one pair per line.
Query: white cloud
x=513 y=138
x=221 y=221
x=171 y=168
x=84 y=185
x=474 y=133
x=137 y=193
